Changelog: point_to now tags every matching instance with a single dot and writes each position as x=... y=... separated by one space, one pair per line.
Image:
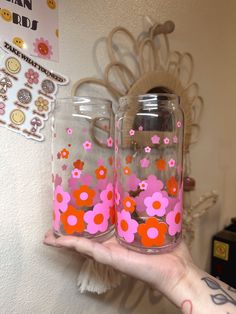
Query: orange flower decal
x=128 y=159
x=73 y=220
x=84 y=196
x=64 y=153
x=127 y=171
x=161 y=164
x=172 y=186
x=101 y=172
x=152 y=232
x=129 y=204
x=78 y=164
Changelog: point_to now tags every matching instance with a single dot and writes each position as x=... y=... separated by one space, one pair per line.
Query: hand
x=163 y=271
x=173 y=274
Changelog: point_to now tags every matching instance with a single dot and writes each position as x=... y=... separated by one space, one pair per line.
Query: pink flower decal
x=131 y=132
x=166 y=140
x=143 y=185
x=42 y=48
x=140 y=128
x=155 y=139
x=153 y=185
x=86 y=179
x=178 y=124
x=87 y=145
x=61 y=198
x=132 y=182
x=126 y=226
x=144 y=162
x=107 y=195
x=116 y=148
x=32 y=76
x=175 y=139
x=69 y=131
x=110 y=142
x=72 y=183
x=97 y=219
x=2 y=108
x=102 y=184
x=76 y=173
x=117 y=196
x=147 y=149
x=64 y=167
x=156 y=204
x=174 y=220
x=57 y=180
x=171 y=163
x=56 y=218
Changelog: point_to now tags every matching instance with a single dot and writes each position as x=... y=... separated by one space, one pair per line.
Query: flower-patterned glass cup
x=82 y=149
x=149 y=182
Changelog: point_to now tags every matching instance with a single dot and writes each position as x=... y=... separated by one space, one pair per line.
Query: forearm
x=200 y=293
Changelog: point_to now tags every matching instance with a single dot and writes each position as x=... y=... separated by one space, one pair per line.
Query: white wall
x=38 y=279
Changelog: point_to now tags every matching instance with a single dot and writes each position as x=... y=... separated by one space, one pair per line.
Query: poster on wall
x=27 y=92
x=32 y=25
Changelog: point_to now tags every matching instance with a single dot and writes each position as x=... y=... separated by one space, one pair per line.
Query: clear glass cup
x=149 y=137
x=82 y=166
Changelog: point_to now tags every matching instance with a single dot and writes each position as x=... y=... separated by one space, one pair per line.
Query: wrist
x=192 y=295
x=187 y=290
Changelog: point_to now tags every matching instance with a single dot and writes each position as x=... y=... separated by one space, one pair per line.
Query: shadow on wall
x=132 y=296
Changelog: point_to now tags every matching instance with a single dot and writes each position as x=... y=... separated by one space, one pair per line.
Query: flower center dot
x=43 y=49
x=128 y=204
x=124 y=225
x=152 y=233
x=177 y=218
x=156 y=205
x=59 y=198
x=72 y=220
x=109 y=195
x=98 y=219
x=84 y=196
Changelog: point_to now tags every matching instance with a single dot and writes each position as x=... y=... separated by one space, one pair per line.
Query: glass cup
x=82 y=163
x=149 y=163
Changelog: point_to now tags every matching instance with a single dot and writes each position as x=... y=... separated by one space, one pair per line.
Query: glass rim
x=84 y=100
x=152 y=96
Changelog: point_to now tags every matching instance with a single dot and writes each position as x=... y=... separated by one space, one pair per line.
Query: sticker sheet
x=27 y=92
x=32 y=25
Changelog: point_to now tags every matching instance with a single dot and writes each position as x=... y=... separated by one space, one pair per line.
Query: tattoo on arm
x=231 y=289
x=221 y=297
x=187 y=307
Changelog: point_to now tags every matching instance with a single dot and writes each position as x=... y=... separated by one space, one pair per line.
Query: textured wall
x=38 y=279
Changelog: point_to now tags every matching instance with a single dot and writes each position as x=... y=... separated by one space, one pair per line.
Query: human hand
x=163 y=271
x=173 y=274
